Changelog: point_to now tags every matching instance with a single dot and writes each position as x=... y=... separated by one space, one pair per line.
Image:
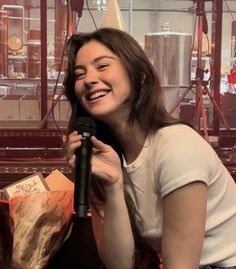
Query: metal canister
x=170 y=54
x=3 y=43
x=34 y=53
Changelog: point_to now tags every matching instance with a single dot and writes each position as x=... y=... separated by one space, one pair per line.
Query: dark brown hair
x=146 y=103
x=6 y=238
x=146 y=100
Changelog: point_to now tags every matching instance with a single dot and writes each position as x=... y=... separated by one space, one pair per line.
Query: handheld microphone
x=82 y=173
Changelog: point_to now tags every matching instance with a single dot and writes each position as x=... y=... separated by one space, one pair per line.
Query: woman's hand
x=73 y=142
x=105 y=161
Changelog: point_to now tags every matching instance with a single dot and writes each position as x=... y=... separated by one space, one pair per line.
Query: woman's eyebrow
x=80 y=66
x=102 y=57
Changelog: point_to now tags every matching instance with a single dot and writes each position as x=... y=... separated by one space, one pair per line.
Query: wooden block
x=10 y=107
x=30 y=108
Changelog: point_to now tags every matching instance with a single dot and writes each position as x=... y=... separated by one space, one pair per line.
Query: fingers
x=73 y=142
x=99 y=145
x=71 y=161
x=106 y=163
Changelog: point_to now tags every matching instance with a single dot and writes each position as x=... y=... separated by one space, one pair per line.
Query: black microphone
x=82 y=173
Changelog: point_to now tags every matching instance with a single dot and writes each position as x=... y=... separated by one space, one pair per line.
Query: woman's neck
x=131 y=139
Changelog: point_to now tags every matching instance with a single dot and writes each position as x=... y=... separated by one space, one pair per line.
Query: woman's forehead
x=94 y=46
x=94 y=50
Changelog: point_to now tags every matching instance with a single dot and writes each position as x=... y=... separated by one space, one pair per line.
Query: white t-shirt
x=173 y=157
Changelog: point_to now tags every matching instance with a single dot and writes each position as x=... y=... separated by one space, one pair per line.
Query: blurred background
x=192 y=45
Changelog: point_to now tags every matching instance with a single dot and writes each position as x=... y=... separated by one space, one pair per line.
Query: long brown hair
x=146 y=102
x=146 y=105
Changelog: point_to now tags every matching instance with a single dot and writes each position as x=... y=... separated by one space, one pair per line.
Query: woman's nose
x=91 y=78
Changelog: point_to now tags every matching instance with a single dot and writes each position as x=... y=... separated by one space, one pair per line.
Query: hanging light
x=112 y=16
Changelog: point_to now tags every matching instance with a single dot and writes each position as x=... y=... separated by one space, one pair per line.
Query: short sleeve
x=183 y=157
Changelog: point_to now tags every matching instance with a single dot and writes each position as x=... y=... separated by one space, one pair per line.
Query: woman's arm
x=112 y=229
x=113 y=232
x=184 y=217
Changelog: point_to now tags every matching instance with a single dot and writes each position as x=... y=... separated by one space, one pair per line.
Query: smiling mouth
x=97 y=95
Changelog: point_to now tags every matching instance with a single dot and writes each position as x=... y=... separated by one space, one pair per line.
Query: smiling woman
x=157 y=185
x=98 y=90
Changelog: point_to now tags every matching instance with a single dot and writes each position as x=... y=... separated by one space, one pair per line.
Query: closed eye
x=102 y=66
x=79 y=76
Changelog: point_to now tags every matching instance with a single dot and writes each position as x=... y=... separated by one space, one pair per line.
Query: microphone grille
x=86 y=125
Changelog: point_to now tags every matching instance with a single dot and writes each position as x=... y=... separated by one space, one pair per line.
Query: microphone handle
x=82 y=178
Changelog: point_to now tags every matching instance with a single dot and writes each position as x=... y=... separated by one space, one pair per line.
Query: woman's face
x=102 y=84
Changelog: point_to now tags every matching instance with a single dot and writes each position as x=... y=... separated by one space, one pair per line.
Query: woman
x=158 y=186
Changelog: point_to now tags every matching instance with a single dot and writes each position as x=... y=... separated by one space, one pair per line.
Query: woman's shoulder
x=178 y=127
x=176 y=131
x=180 y=137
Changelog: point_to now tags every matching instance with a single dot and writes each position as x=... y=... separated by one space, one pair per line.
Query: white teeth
x=97 y=94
